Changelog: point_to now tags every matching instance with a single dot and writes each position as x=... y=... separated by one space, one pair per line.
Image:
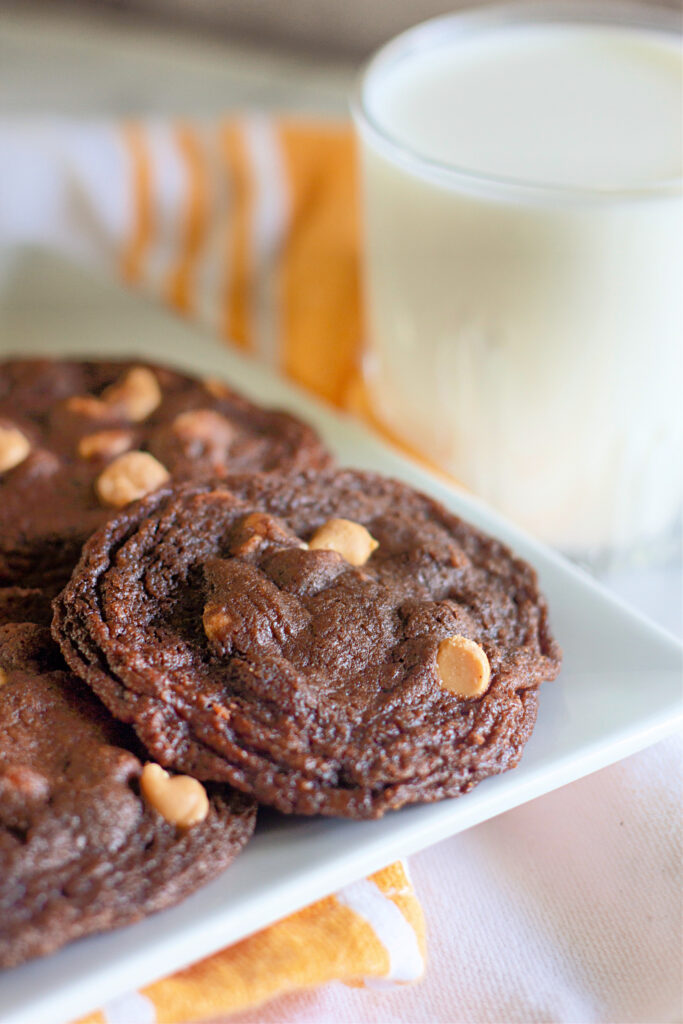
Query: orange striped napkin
x=370 y=933
x=250 y=226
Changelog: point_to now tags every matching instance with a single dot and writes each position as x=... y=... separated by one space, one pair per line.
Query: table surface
x=96 y=66
x=63 y=62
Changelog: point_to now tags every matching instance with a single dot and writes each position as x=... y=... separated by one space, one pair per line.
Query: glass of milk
x=523 y=217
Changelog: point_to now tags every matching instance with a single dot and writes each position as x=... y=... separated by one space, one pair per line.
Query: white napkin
x=567 y=909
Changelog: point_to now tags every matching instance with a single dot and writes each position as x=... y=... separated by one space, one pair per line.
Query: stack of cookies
x=199 y=612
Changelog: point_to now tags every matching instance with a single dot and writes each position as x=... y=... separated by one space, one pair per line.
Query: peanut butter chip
x=216 y=621
x=203 y=425
x=351 y=540
x=179 y=799
x=104 y=444
x=14 y=448
x=3 y=677
x=463 y=667
x=216 y=387
x=130 y=477
x=88 y=406
x=258 y=529
x=136 y=395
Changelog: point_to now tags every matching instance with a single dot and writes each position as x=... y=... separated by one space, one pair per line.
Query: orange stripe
x=320 y=287
x=236 y=326
x=357 y=400
x=141 y=184
x=196 y=219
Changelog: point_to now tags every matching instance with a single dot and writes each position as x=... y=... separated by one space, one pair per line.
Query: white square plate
x=619 y=690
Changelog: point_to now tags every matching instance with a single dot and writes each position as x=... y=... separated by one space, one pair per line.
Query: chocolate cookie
x=27 y=645
x=334 y=643
x=81 y=439
x=26 y=604
x=81 y=849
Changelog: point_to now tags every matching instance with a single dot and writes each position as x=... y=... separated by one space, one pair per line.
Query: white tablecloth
x=567 y=909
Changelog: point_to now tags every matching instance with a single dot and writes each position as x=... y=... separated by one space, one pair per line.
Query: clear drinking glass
x=527 y=336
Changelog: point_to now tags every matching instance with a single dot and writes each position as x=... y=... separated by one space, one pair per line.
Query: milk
x=524 y=262
x=593 y=106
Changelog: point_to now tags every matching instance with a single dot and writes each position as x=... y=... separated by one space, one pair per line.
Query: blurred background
x=193 y=56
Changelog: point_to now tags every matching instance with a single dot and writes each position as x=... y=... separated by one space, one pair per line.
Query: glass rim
x=467 y=22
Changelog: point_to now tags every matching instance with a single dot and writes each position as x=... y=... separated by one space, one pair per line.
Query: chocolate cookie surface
x=81 y=850
x=222 y=623
x=26 y=604
x=80 y=439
